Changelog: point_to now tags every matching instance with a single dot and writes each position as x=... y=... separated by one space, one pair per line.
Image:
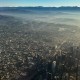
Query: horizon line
x=41 y=6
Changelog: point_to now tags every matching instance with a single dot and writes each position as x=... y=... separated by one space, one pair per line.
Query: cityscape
x=39 y=44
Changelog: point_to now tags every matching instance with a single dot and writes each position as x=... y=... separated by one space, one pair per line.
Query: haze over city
x=39 y=40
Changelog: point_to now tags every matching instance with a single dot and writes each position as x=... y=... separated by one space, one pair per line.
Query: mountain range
x=39 y=8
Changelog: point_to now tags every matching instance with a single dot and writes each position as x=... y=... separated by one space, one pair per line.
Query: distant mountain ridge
x=39 y=8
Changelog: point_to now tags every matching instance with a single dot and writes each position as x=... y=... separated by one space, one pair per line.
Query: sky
x=39 y=3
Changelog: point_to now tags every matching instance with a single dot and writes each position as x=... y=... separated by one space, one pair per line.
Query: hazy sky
x=39 y=2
